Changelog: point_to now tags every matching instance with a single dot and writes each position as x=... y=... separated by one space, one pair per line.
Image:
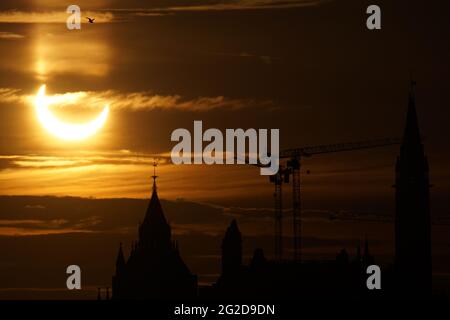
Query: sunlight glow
x=66 y=131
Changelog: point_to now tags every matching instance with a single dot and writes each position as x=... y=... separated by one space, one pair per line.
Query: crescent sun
x=62 y=130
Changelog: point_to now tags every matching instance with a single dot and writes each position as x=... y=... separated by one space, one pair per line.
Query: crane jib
x=340 y=147
x=292 y=169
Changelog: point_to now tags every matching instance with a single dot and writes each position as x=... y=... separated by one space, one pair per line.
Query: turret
x=232 y=250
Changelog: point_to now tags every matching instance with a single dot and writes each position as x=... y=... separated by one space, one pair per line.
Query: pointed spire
x=154 y=230
x=412 y=133
x=120 y=261
x=412 y=216
x=154 y=209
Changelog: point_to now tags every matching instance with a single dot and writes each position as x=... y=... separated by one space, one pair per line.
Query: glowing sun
x=62 y=130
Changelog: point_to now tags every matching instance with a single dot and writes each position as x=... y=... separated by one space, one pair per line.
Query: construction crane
x=282 y=176
x=292 y=168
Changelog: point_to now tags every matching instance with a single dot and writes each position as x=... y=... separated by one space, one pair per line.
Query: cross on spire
x=155 y=164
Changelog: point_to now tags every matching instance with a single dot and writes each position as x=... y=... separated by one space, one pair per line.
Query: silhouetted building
x=155 y=269
x=412 y=219
x=264 y=278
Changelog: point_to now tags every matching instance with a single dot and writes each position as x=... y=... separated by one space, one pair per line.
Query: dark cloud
x=70 y=214
x=219 y=5
x=154 y=4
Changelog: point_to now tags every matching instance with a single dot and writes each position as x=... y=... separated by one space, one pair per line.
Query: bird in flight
x=91 y=20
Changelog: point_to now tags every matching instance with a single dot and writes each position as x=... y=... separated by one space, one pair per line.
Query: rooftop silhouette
x=156 y=270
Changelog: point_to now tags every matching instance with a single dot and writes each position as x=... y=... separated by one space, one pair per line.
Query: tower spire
x=120 y=261
x=412 y=217
x=412 y=132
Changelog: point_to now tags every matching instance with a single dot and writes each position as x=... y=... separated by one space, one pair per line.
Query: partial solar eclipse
x=62 y=130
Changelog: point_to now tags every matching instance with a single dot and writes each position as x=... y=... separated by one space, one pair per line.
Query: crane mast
x=293 y=168
x=282 y=176
x=294 y=165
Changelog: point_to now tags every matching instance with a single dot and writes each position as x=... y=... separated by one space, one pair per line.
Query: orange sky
x=305 y=67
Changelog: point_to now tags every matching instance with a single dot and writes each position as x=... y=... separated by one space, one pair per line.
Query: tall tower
x=412 y=219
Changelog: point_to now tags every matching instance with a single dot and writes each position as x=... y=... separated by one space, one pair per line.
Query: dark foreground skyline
x=309 y=68
x=156 y=270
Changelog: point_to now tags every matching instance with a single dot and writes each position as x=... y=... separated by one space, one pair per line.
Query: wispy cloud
x=8 y=95
x=35 y=207
x=136 y=101
x=118 y=13
x=148 y=101
x=27 y=227
x=82 y=159
x=50 y=16
x=10 y=36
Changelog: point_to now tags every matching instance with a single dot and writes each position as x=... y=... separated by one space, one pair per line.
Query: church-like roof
x=154 y=230
x=154 y=213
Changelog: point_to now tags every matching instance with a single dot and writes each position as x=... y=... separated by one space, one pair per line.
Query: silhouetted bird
x=91 y=20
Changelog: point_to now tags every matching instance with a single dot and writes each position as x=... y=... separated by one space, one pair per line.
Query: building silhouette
x=154 y=269
x=412 y=217
x=410 y=275
x=287 y=279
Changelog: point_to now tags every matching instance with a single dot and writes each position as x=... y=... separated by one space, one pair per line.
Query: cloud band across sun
x=137 y=101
